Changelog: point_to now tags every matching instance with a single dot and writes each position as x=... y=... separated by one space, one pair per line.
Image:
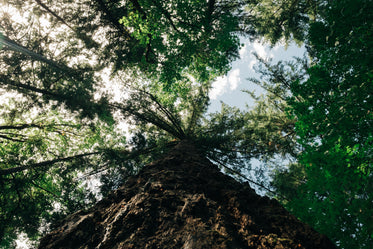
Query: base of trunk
x=184 y=201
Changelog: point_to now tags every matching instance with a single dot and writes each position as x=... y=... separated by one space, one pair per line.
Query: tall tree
x=165 y=54
x=183 y=200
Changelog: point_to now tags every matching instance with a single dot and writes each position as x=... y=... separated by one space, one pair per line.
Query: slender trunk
x=12 y=45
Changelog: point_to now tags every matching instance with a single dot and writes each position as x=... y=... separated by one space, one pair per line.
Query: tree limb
x=254 y=182
x=48 y=163
x=53 y=13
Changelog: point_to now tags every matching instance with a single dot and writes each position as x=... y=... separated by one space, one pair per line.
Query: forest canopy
x=73 y=72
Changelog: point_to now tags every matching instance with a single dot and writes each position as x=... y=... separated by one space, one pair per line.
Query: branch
x=18 y=126
x=210 y=10
x=168 y=114
x=158 y=122
x=25 y=126
x=241 y=175
x=18 y=85
x=111 y=17
x=9 y=171
x=46 y=190
x=153 y=119
x=12 y=139
x=167 y=15
x=53 y=13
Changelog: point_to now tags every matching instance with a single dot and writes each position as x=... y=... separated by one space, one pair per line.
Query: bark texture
x=184 y=201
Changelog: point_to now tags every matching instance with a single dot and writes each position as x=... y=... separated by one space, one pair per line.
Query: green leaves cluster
x=283 y=20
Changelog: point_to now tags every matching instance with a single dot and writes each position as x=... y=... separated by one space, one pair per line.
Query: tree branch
x=112 y=19
x=18 y=126
x=25 y=126
x=168 y=114
x=12 y=139
x=53 y=13
x=48 y=163
x=167 y=15
x=241 y=175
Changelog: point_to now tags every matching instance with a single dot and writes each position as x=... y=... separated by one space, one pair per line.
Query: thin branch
x=153 y=119
x=18 y=126
x=169 y=115
x=167 y=15
x=210 y=10
x=12 y=139
x=14 y=46
x=53 y=13
x=241 y=175
x=43 y=164
x=46 y=190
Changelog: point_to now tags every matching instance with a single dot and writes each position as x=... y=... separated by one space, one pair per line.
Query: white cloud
x=218 y=87
x=234 y=79
x=224 y=84
x=260 y=49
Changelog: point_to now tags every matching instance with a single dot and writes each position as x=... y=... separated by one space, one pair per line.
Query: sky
x=228 y=89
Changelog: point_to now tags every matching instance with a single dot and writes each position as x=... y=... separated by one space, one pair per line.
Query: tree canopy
x=72 y=72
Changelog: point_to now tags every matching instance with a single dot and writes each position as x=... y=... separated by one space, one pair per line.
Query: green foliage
x=44 y=80
x=284 y=20
x=176 y=36
x=34 y=172
x=331 y=187
x=258 y=133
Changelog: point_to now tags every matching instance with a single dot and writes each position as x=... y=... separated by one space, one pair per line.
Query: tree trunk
x=184 y=201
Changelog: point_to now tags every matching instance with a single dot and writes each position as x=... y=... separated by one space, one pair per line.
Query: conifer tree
x=59 y=125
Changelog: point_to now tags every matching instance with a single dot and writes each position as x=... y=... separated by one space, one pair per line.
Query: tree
x=332 y=108
x=165 y=54
x=183 y=200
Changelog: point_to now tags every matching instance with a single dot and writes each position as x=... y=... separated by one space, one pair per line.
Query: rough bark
x=184 y=201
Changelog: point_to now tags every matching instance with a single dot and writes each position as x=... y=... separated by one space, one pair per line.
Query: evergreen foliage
x=64 y=63
x=331 y=186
